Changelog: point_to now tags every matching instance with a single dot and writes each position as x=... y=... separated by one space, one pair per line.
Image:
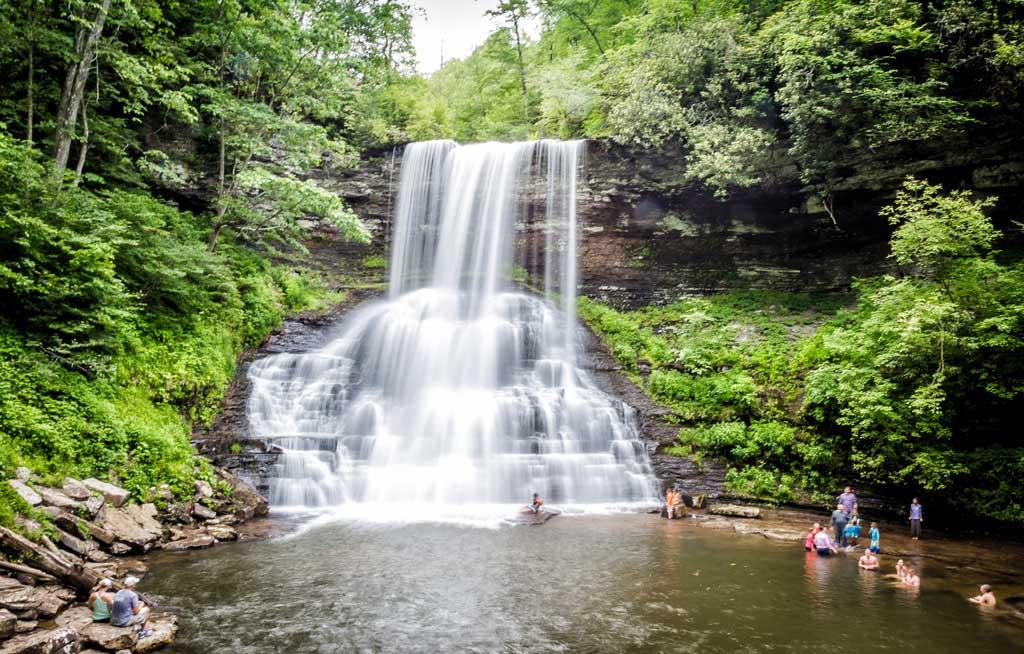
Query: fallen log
x=26 y=570
x=71 y=572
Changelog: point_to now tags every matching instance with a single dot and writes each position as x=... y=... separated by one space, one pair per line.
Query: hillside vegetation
x=911 y=386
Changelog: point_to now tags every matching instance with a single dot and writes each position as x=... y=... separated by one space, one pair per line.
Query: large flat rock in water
x=735 y=511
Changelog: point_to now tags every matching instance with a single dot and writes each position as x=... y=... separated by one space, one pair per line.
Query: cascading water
x=459 y=392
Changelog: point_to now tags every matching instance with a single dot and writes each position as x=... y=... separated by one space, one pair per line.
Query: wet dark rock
x=62 y=640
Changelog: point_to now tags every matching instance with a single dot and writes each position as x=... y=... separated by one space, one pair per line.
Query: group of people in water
x=120 y=609
x=846 y=530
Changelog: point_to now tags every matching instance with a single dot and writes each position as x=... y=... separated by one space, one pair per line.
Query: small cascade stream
x=460 y=391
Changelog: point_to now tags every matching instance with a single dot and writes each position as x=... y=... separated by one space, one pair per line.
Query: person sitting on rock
x=128 y=610
x=536 y=504
x=101 y=600
x=869 y=561
x=987 y=598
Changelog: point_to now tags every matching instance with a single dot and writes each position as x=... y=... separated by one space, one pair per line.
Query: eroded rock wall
x=648 y=235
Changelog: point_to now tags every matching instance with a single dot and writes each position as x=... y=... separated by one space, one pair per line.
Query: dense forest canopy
x=829 y=93
x=155 y=159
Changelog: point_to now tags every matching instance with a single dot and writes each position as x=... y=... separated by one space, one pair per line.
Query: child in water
x=986 y=598
x=901 y=569
x=811 y=533
x=875 y=538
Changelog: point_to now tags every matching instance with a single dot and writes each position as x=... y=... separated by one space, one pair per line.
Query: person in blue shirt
x=916 y=518
x=875 y=538
x=128 y=609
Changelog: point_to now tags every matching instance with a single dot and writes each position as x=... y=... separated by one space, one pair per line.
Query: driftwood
x=25 y=570
x=70 y=571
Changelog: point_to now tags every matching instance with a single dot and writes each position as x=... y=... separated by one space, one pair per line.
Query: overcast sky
x=453 y=28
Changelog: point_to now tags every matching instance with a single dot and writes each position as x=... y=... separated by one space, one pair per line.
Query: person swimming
x=987 y=598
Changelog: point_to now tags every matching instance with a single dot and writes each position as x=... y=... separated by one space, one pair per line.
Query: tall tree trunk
x=31 y=90
x=83 y=147
x=73 y=92
x=522 y=68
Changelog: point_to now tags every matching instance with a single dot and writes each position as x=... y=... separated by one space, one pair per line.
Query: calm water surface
x=576 y=584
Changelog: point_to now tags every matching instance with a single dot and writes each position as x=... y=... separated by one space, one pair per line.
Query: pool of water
x=630 y=583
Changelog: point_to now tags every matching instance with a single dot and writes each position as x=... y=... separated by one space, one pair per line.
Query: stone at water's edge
x=195 y=542
x=164 y=628
x=108 y=637
x=735 y=511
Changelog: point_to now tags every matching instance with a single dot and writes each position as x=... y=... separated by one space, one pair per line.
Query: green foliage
x=913 y=389
x=374 y=262
x=127 y=331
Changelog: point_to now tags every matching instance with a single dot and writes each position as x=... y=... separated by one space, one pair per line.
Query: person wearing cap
x=101 y=600
x=128 y=610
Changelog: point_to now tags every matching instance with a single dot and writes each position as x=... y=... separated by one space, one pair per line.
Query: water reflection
x=623 y=584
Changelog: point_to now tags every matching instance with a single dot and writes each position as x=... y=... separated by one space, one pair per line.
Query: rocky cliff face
x=648 y=236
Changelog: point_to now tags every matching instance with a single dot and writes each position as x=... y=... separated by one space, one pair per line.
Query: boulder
x=146 y=515
x=52 y=600
x=114 y=495
x=203 y=489
x=25 y=491
x=62 y=640
x=202 y=512
x=77 y=617
x=74 y=544
x=735 y=511
x=123 y=526
x=193 y=542
x=25 y=626
x=93 y=505
x=246 y=499
x=222 y=532
x=55 y=498
x=75 y=489
x=120 y=549
x=22 y=473
x=164 y=628
x=8 y=624
x=108 y=637
x=18 y=598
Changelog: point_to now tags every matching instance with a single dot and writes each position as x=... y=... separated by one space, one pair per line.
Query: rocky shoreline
x=96 y=533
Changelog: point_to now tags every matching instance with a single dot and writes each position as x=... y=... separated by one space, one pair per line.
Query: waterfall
x=460 y=391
